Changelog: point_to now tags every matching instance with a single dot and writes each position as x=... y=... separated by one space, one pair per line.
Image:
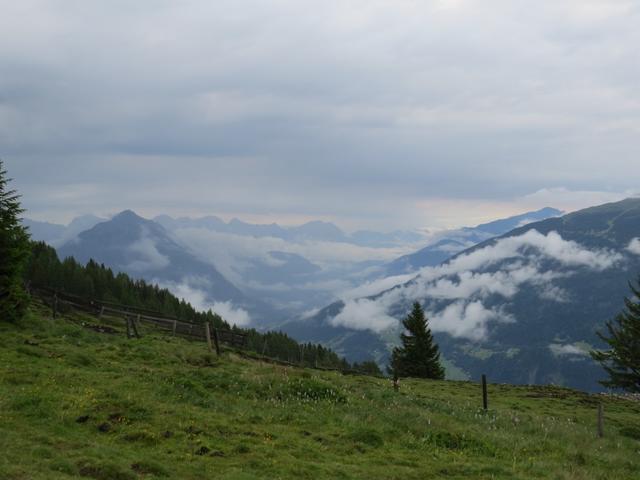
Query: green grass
x=79 y=404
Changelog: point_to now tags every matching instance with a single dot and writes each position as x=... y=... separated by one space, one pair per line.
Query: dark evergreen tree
x=622 y=360
x=419 y=355
x=14 y=253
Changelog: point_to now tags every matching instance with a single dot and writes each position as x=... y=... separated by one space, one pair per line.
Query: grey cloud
x=369 y=111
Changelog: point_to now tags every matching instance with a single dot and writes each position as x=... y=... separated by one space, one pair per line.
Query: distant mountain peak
x=127 y=215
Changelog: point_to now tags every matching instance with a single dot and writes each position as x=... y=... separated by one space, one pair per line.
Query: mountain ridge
x=534 y=329
x=137 y=246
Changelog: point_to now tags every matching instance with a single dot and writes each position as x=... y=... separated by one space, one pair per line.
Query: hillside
x=75 y=403
x=524 y=307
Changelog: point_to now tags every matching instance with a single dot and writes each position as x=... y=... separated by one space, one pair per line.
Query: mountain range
x=144 y=249
x=524 y=307
x=519 y=299
x=281 y=272
x=311 y=231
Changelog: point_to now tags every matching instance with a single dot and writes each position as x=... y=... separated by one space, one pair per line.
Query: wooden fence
x=134 y=317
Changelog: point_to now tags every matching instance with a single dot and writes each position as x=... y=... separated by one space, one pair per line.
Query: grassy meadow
x=76 y=403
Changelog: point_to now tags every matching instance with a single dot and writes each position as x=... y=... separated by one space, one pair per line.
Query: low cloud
x=554 y=293
x=456 y=294
x=376 y=286
x=560 y=350
x=634 y=246
x=309 y=313
x=233 y=315
x=467 y=319
x=228 y=248
x=552 y=245
x=364 y=314
x=150 y=258
x=190 y=291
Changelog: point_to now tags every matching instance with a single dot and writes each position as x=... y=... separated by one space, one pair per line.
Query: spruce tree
x=419 y=355
x=14 y=253
x=622 y=360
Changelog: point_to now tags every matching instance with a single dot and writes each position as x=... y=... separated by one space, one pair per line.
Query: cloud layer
x=458 y=294
x=188 y=290
x=634 y=246
x=367 y=112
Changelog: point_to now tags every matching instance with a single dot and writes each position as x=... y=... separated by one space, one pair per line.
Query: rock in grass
x=202 y=450
x=104 y=427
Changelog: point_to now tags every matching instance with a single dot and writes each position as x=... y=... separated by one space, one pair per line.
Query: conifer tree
x=419 y=355
x=622 y=361
x=14 y=253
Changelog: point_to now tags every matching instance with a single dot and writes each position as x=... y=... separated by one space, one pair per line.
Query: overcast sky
x=379 y=114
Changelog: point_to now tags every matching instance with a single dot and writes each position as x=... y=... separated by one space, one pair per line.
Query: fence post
x=175 y=325
x=55 y=305
x=215 y=341
x=128 y=321
x=101 y=313
x=396 y=382
x=135 y=323
x=600 y=420
x=264 y=347
x=207 y=331
x=484 y=393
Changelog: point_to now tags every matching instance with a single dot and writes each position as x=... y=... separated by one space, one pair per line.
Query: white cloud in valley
x=364 y=314
x=234 y=254
x=563 y=350
x=232 y=314
x=634 y=246
x=467 y=319
x=193 y=291
x=149 y=257
x=455 y=293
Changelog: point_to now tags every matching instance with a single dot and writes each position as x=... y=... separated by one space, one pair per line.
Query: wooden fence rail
x=133 y=317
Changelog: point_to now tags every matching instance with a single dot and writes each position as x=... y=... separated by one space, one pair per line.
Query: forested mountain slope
x=523 y=308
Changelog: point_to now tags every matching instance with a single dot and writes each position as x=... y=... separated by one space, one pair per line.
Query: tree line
x=98 y=282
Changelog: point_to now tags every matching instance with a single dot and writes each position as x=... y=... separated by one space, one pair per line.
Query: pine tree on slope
x=622 y=361
x=14 y=253
x=419 y=355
